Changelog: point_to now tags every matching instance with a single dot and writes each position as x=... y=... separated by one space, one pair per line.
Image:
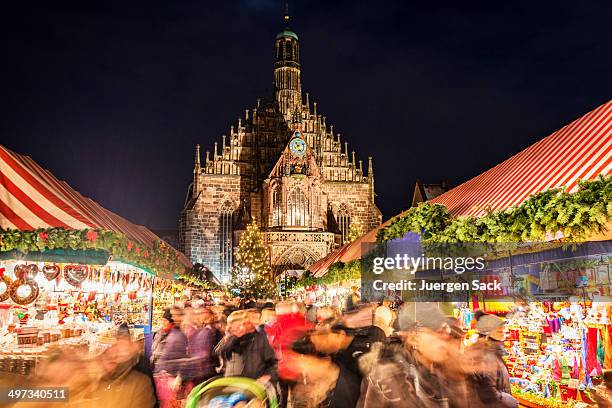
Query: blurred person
x=327 y=316
x=352 y=299
x=201 y=347
x=170 y=364
x=358 y=325
x=254 y=317
x=311 y=308
x=120 y=384
x=290 y=325
x=159 y=340
x=109 y=380
x=489 y=381
x=325 y=380
x=383 y=319
x=409 y=370
x=268 y=318
x=245 y=352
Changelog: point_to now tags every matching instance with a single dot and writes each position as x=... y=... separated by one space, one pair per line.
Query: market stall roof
x=31 y=198
x=582 y=150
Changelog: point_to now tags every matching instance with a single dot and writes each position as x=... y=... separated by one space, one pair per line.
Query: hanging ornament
x=51 y=271
x=5 y=285
x=32 y=270
x=24 y=291
x=75 y=275
x=20 y=271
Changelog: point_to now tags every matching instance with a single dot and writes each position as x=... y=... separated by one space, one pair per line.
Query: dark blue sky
x=112 y=96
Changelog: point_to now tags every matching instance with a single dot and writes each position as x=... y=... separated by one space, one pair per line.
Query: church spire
x=196 y=167
x=287 y=82
x=196 y=171
x=371 y=178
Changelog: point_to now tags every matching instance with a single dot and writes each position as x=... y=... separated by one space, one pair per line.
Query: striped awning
x=31 y=198
x=581 y=150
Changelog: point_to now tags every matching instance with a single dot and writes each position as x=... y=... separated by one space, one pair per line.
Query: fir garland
x=337 y=273
x=160 y=258
x=576 y=216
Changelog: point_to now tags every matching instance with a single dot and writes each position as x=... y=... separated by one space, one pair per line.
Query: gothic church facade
x=283 y=167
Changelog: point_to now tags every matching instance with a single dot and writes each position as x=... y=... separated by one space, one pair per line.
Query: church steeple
x=197 y=170
x=287 y=81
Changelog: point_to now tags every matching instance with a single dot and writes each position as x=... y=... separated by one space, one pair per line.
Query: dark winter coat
x=254 y=353
x=392 y=379
x=490 y=384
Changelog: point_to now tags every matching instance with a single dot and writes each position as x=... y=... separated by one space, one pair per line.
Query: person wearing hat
x=489 y=379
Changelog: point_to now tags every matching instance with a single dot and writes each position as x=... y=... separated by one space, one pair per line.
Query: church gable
x=297 y=159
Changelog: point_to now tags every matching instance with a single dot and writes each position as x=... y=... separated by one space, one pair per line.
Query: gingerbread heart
x=21 y=271
x=51 y=271
x=32 y=270
x=75 y=275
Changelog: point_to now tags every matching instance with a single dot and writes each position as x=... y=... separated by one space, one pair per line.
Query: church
x=283 y=167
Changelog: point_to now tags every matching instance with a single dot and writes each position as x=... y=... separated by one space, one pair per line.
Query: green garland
x=161 y=258
x=576 y=215
x=194 y=281
x=337 y=272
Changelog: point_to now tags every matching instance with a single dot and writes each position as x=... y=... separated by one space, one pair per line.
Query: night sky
x=112 y=96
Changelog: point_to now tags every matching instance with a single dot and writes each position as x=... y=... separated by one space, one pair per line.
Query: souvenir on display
x=24 y=291
x=51 y=271
x=5 y=285
x=75 y=275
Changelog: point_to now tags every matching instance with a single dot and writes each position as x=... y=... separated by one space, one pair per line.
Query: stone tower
x=282 y=166
x=287 y=82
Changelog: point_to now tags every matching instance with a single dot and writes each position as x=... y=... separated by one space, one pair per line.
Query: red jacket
x=282 y=334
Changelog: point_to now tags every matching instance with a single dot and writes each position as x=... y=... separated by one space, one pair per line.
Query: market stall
x=70 y=270
x=541 y=198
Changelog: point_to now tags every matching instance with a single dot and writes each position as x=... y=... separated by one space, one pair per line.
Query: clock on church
x=297 y=146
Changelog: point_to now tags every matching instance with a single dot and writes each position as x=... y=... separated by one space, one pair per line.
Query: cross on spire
x=286 y=14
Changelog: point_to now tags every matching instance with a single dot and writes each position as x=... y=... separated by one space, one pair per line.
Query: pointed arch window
x=344 y=222
x=276 y=207
x=297 y=209
x=226 y=228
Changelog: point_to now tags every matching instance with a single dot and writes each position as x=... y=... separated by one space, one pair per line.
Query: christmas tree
x=355 y=231
x=252 y=274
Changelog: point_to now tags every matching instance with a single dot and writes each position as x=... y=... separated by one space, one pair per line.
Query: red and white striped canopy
x=581 y=150
x=31 y=197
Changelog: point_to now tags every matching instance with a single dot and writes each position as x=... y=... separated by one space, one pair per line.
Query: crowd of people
x=368 y=355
